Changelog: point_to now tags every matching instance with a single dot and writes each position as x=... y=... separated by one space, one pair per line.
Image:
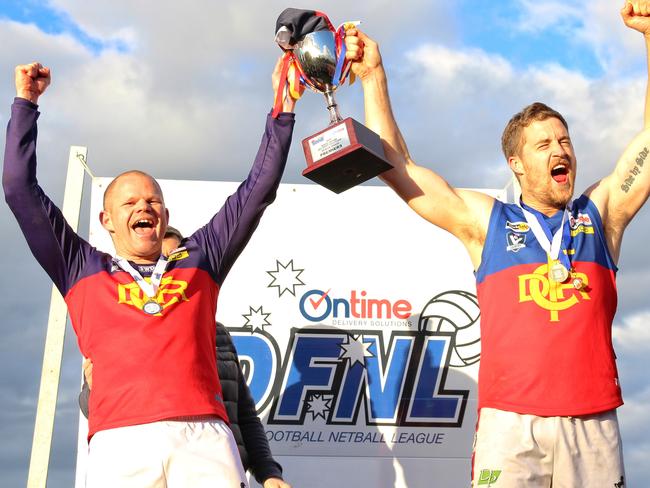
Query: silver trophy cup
x=346 y=153
x=316 y=54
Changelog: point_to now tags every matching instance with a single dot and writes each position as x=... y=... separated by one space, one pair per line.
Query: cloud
x=633 y=334
x=632 y=343
x=596 y=24
x=194 y=81
x=538 y=16
x=454 y=104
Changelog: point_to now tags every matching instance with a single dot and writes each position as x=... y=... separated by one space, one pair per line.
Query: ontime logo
x=317 y=305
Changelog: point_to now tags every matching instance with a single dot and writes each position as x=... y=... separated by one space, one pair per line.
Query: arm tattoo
x=636 y=170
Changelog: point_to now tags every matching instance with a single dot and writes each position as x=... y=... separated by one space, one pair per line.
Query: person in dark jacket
x=246 y=426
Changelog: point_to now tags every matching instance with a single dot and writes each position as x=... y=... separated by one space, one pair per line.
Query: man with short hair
x=545 y=272
x=146 y=321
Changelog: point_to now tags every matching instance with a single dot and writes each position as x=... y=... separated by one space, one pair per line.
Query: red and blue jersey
x=546 y=347
x=145 y=367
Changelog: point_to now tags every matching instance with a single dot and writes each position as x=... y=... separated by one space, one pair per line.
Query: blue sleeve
x=57 y=248
x=228 y=232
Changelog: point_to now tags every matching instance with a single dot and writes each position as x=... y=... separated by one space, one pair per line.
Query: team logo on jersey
x=178 y=254
x=581 y=224
x=171 y=291
x=517 y=226
x=515 y=241
x=550 y=295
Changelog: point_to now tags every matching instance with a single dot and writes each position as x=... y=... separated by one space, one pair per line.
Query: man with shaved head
x=546 y=283
x=146 y=320
x=135 y=232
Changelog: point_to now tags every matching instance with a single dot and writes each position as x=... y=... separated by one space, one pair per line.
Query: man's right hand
x=363 y=52
x=31 y=81
x=88 y=372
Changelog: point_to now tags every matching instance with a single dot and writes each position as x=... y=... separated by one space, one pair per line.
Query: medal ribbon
x=552 y=244
x=149 y=289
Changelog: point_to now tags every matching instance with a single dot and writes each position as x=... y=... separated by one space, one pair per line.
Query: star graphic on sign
x=285 y=277
x=256 y=319
x=319 y=405
x=356 y=350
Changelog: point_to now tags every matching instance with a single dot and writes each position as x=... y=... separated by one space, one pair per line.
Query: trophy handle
x=332 y=106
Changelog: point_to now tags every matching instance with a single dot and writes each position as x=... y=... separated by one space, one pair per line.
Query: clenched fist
x=31 y=81
x=636 y=15
x=363 y=52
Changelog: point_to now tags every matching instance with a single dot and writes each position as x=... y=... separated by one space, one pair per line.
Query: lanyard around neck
x=555 y=243
x=148 y=288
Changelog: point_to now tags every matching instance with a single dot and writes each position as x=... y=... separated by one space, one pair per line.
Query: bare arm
x=463 y=213
x=621 y=195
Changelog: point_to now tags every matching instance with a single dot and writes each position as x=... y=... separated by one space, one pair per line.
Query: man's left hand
x=88 y=372
x=288 y=102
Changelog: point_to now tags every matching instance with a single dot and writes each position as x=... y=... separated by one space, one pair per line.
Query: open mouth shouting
x=144 y=227
x=560 y=173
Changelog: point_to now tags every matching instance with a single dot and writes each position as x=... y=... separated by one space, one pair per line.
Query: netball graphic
x=455 y=311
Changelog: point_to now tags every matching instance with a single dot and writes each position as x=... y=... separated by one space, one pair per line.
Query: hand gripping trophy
x=346 y=153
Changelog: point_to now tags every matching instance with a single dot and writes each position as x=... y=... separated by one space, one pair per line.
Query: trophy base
x=344 y=155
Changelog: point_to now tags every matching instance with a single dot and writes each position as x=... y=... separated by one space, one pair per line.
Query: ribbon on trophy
x=291 y=27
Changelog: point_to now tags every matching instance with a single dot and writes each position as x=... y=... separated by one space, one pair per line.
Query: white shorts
x=526 y=451
x=194 y=452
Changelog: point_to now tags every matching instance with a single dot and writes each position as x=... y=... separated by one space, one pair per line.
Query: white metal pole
x=44 y=424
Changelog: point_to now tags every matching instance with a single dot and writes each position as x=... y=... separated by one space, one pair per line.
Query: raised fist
x=636 y=15
x=31 y=81
x=363 y=52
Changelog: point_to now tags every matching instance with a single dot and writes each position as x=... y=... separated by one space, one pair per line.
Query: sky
x=181 y=90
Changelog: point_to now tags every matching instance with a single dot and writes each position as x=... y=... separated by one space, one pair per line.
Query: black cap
x=299 y=23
